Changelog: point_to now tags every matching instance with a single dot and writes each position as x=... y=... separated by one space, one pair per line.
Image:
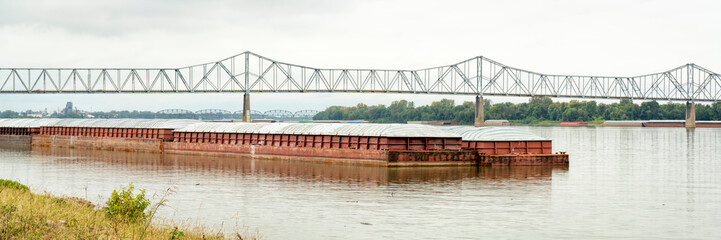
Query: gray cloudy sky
x=566 y=37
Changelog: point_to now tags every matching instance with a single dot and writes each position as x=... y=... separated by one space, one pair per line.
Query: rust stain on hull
x=525 y=160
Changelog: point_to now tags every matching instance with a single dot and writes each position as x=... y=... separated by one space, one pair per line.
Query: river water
x=621 y=183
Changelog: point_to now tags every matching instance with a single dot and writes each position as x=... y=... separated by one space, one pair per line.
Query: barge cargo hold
x=21 y=130
x=501 y=140
x=372 y=144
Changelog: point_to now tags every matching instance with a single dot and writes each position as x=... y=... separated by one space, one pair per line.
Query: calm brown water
x=621 y=183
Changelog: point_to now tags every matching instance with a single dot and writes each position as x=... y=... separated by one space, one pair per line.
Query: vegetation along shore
x=538 y=111
x=126 y=215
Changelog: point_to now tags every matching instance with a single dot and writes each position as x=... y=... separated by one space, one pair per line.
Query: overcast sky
x=562 y=37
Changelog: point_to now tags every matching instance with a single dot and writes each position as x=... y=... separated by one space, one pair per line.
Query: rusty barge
x=368 y=144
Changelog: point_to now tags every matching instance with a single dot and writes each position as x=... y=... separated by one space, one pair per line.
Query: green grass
x=25 y=215
x=12 y=184
x=534 y=123
x=548 y=123
x=596 y=122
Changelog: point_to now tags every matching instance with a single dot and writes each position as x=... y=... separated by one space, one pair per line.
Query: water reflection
x=309 y=171
x=690 y=158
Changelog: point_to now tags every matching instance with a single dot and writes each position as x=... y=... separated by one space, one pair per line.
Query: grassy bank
x=596 y=123
x=26 y=215
x=534 y=123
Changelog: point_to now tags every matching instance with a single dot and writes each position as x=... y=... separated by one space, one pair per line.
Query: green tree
x=8 y=114
x=537 y=108
x=650 y=110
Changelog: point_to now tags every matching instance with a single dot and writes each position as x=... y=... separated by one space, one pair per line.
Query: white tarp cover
x=329 y=129
x=26 y=122
x=467 y=133
x=470 y=133
x=97 y=123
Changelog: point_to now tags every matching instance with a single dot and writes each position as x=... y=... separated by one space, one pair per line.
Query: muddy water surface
x=621 y=183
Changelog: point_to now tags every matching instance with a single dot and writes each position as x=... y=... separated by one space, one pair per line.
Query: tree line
x=535 y=110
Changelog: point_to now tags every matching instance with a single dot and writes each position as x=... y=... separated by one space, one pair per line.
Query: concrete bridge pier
x=246 y=107
x=479 y=120
x=690 y=115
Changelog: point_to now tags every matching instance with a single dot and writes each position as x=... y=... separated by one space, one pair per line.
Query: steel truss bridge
x=249 y=72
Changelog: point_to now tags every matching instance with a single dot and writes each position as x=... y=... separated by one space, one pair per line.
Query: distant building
x=68 y=108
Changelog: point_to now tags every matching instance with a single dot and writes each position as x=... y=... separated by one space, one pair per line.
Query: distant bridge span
x=249 y=72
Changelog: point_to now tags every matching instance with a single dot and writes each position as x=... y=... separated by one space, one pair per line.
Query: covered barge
x=370 y=144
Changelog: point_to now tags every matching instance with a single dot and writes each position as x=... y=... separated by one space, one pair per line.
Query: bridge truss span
x=248 y=72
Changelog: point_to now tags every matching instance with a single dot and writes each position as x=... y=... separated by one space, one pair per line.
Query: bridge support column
x=690 y=115
x=246 y=107
x=479 y=121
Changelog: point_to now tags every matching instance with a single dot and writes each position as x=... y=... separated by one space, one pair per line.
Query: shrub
x=12 y=184
x=123 y=206
x=175 y=234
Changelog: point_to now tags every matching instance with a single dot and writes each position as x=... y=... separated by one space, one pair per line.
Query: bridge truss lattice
x=249 y=72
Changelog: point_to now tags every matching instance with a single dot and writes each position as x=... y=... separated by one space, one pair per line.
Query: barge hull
x=106 y=143
x=388 y=158
x=328 y=155
x=15 y=139
x=525 y=160
x=350 y=156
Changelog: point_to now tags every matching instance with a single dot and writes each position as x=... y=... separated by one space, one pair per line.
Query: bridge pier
x=690 y=115
x=479 y=121
x=246 y=107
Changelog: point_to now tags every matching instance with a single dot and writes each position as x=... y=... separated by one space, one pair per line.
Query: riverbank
x=618 y=123
x=28 y=215
x=545 y=123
